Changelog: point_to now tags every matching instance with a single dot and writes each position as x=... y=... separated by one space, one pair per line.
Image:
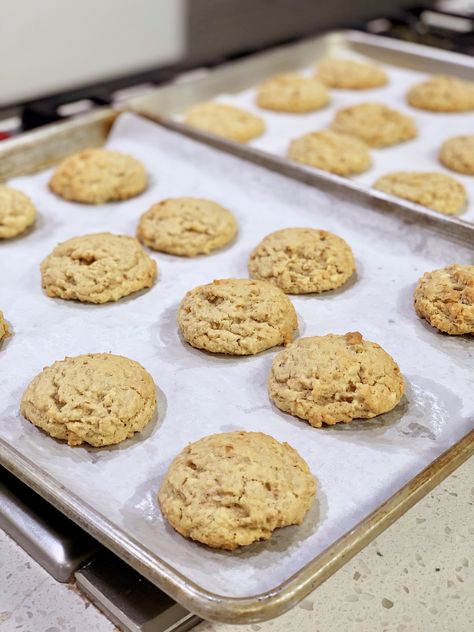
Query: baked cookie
x=226 y=121
x=375 y=124
x=17 y=212
x=96 y=176
x=302 y=260
x=329 y=151
x=350 y=75
x=445 y=298
x=99 y=399
x=3 y=328
x=97 y=268
x=457 y=153
x=433 y=190
x=237 y=316
x=292 y=93
x=329 y=379
x=186 y=226
x=442 y=94
x=231 y=489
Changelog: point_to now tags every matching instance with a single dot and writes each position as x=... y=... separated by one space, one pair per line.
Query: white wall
x=52 y=45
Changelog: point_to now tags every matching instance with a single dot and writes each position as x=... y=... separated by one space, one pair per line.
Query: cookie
x=433 y=190
x=331 y=379
x=97 y=268
x=226 y=121
x=302 y=260
x=96 y=176
x=445 y=298
x=330 y=151
x=375 y=124
x=17 y=212
x=237 y=317
x=3 y=327
x=99 y=399
x=442 y=94
x=187 y=227
x=291 y=93
x=231 y=489
x=349 y=74
x=457 y=153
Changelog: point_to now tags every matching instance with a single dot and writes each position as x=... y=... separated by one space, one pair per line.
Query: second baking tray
x=406 y=64
x=369 y=472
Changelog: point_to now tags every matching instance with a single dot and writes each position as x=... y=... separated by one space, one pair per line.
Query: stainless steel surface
x=129 y=600
x=42 y=531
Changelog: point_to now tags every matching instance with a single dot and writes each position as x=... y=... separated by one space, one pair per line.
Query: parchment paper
x=358 y=465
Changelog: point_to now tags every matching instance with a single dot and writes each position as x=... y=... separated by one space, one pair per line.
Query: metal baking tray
x=406 y=64
x=431 y=428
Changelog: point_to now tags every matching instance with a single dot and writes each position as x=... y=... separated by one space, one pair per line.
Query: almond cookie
x=442 y=94
x=226 y=121
x=445 y=298
x=17 y=212
x=291 y=93
x=237 y=316
x=187 y=227
x=231 y=489
x=331 y=379
x=457 y=153
x=97 y=268
x=433 y=190
x=329 y=151
x=375 y=124
x=350 y=75
x=302 y=260
x=3 y=328
x=99 y=399
x=96 y=176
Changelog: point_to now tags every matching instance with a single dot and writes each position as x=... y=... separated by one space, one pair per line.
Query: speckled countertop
x=416 y=577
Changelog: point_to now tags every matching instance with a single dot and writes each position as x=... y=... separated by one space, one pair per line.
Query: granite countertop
x=416 y=577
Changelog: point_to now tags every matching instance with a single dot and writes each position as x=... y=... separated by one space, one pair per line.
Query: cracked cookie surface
x=292 y=93
x=330 y=151
x=437 y=191
x=445 y=299
x=96 y=176
x=349 y=74
x=4 y=332
x=331 y=379
x=186 y=226
x=237 y=317
x=302 y=260
x=97 y=268
x=231 y=489
x=17 y=212
x=99 y=399
x=442 y=94
x=375 y=124
x=225 y=120
x=457 y=153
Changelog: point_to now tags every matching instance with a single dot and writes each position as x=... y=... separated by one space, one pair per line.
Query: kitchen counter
x=416 y=577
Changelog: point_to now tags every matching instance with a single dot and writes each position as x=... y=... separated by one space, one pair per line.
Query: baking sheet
x=358 y=466
x=419 y=154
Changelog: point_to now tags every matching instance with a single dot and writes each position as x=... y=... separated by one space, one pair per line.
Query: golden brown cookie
x=96 y=176
x=98 y=398
x=349 y=74
x=226 y=121
x=292 y=93
x=231 y=489
x=237 y=316
x=445 y=298
x=433 y=190
x=302 y=260
x=187 y=227
x=17 y=212
x=331 y=379
x=97 y=268
x=457 y=153
x=375 y=124
x=442 y=94
x=4 y=332
x=330 y=151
